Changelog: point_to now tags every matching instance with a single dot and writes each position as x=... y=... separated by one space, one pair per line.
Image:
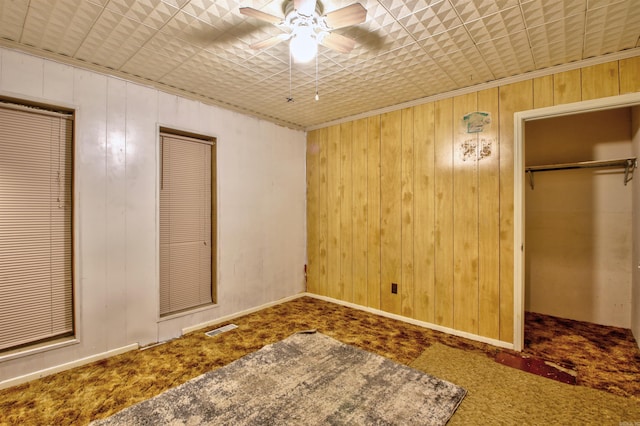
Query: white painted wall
x=578 y=222
x=261 y=206
x=635 y=266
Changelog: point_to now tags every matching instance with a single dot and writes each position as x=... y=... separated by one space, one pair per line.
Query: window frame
x=71 y=112
x=212 y=140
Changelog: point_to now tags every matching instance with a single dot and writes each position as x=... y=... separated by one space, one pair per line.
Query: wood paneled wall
x=394 y=199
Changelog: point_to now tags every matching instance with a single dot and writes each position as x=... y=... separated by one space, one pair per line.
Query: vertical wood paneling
x=360 y=209
x=599 y=81
x=424 y=212
x=346 y=215
x=390 y=202
x=313 y=214
x=543 y=91
x=407 y=287
x=373 y=212
x=513 y=97
x=410 y=210
x=465 y=218
x=323 y=222
x=629 y=75
x=489 y=217
x=333 y=212
x=443 y=150
x=567 y=87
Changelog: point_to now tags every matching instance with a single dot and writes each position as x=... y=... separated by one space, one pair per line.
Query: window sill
x=190 y=311
x=38 y=348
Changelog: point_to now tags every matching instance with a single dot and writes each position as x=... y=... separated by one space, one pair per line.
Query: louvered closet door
x=35 y=227
x=185 y=224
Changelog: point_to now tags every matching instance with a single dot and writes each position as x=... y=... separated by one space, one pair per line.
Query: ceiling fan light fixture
x=304 y=44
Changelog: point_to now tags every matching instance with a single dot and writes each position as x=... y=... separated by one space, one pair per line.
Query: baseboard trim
x=436 y=327
x=233 y=316
x=97 y=357
x=62 y=367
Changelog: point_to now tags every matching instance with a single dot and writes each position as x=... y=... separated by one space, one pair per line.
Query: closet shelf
x=629 y=164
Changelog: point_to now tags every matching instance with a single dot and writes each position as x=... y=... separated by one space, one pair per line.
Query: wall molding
x=424 y=324
x=233 y=316
x=66 y=366
x=134 y=346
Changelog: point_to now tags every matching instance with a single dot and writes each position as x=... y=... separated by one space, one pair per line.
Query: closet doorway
x=573 y=213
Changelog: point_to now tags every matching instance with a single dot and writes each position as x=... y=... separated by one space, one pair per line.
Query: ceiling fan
x=305 y=27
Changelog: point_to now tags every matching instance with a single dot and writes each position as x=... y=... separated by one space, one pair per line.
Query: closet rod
x=629 y=165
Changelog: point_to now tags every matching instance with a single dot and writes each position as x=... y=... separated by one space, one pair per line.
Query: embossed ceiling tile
x=235 y=50
x=447 y=42
x=149 y=64
x=272 y=88
x=174 y=3
x=343 y=81
x=265 y=65
x=243 y=76
x=113 y=40
x=557 y=53
x=219 y=13
x=563 y=29
x=401 y=8
x=167 y=45
x=360 y=53
x=59 y=26
x=12 y=15
x=616 y=15
x=540 y=12
x=465 y=67
x=207 y=63
x=622 y=23
x=191 y=29
x=427 y=75
x=399 y=89
x=394 y=35
x=153 y=13
x=594 y=4
x=388 y=62
x=596 y=44
x=380 y=23
x=509 y=55
x=433 y=20
x=472 y=10
x=498 y=25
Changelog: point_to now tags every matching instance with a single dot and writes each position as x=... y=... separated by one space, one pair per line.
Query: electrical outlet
x=394 y=288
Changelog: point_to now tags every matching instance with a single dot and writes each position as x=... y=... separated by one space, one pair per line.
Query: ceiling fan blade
x=263 y=16
x=305 y=7
x=338 y=42
x=270 y=42
x=350 y=15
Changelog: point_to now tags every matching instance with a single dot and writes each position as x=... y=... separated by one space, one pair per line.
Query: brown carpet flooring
x=605 y=358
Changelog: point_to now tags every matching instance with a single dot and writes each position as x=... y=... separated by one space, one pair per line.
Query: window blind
x=185 y=224
x=36 y=286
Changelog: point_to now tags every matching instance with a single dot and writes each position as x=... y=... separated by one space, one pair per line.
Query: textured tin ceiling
x=406 y=49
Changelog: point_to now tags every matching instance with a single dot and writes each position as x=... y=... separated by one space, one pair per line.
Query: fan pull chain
x=317 y=96
x=290 y=98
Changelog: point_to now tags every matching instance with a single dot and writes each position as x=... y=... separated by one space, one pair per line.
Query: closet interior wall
x=635 y=267
x=578 y=222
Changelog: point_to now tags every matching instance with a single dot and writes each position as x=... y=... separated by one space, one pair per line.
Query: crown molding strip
x=625 y=54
